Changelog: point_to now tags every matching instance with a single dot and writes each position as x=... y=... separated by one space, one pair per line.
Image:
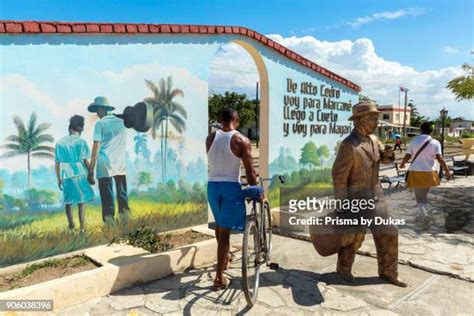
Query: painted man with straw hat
x=355 y=175
x=108 y=154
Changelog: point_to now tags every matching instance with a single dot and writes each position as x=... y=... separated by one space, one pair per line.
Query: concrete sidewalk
x=305 y=284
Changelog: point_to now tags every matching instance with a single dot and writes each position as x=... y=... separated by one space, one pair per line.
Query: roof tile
x=132 y=28
x=154 y=28
x=13 y=27
x=142 y=28
x=92 y=28
x=63 y=28
x=79 y=28
x=31 y=27
x=119 y=28
x=165 y=28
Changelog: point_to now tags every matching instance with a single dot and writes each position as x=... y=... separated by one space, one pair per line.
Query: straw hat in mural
x=363 y=108
x=100 y=102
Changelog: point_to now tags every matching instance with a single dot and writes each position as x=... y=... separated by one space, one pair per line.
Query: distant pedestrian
x=423 y=170
x=72 y=169
x=398 y=144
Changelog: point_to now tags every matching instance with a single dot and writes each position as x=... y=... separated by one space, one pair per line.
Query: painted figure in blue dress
x=108 y=155
x=72 y=170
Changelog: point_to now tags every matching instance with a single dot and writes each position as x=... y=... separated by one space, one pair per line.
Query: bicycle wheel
x=268 y=231
x=250 y=262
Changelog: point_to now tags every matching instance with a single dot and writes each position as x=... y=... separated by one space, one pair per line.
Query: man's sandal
x=217 y=286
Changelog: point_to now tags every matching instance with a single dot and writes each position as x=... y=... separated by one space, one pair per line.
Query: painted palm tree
x=30 y=140
x=140 y=140
x=166 y=111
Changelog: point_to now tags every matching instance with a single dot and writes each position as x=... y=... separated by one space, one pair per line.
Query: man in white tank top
x=225 y=149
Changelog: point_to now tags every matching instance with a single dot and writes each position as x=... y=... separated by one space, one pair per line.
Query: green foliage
x=415 y=118
x=463 y=86
x=30 y=140
x=9 y=202
x=146 y=238
x=323 y=152
x=172 y=193
x=36 y=198
x=239 y=102
x=75 y=261
x=309 y=155
x=144 y=178
x=467 y=135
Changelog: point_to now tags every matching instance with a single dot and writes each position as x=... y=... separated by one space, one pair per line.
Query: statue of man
x=355 y=175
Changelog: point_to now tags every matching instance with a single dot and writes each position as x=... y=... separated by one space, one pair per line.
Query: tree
x=309 y=155
x=144 y=178
x=30 y=140
x=415 y=119
x=237 y=101
x=323 y=152
x=166 y=111
x=463 y=86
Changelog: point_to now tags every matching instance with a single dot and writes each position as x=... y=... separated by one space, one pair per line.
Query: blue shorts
x=227 y=204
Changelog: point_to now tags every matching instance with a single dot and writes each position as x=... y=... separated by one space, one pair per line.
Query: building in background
x=391 y=120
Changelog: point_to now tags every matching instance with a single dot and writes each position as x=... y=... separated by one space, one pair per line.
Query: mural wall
x=47 y=79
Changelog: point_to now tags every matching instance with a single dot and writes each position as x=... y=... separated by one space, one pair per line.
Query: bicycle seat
x=253 y=192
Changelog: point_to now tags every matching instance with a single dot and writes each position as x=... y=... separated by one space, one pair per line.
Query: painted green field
x=25 y=236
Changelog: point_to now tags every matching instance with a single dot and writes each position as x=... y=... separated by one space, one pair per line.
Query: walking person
x=72 y=169
x=108 y=153
x=225 y=149
x=398 y=144
x=423 y=170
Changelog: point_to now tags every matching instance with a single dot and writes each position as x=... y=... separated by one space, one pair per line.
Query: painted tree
x=323 y=152
x=144 y=179
x=463 y=86
x=309 y=155
x=166 y=111
x=31 y=140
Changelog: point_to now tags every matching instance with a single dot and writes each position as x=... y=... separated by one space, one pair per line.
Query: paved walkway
x=439 y=268
x=305 y=284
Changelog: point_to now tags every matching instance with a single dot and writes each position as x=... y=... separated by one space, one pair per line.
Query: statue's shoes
x=346 y=276
x=394 y=280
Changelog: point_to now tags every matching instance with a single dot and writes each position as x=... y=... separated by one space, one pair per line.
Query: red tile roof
x=32 y=27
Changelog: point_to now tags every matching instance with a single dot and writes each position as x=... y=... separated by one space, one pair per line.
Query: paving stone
x=164 y=302
x=442 y=296
x=335 y=300
x=270 y=297
x=126 y=299
x=368 y=286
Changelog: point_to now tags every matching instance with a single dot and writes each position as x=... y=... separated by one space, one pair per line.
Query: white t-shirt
x=426 y=160
x=111 y=133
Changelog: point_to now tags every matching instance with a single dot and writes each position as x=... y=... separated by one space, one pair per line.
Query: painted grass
x=48 y=235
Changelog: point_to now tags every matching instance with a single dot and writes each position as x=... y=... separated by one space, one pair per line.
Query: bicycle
x=256 y=244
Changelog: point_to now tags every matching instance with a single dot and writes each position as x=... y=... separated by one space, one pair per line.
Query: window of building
x=386 y=116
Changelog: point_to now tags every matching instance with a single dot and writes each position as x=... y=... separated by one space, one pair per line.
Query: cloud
x=358 y=61
x=387 y=15
x=449 y=49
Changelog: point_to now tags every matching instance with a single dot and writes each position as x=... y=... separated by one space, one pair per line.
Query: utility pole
x=405 y=113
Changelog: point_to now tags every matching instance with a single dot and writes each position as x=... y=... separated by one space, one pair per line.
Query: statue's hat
x=363 y=108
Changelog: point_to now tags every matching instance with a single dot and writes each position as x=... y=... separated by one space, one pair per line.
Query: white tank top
x=223 y=164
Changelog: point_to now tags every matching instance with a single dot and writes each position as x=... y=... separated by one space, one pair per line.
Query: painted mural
x=59 y=95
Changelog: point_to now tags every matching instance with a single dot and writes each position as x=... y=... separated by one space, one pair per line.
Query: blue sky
x=379 y=45
x=420 y=34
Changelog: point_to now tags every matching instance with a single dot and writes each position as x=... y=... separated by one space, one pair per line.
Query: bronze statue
x=355 y=175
